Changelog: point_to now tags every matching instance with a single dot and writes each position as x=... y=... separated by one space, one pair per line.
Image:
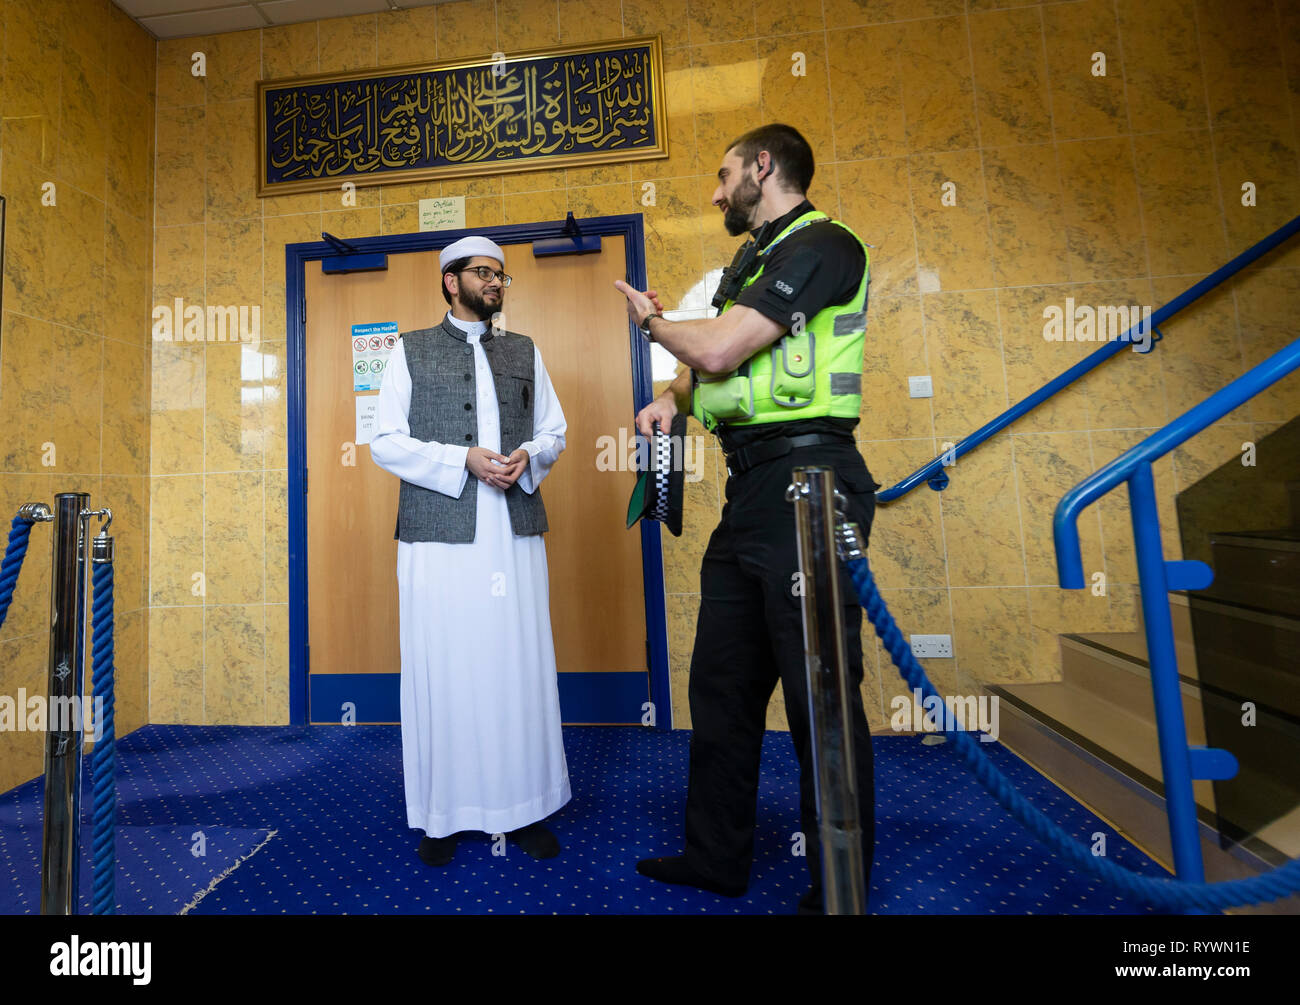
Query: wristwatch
x=645 y=325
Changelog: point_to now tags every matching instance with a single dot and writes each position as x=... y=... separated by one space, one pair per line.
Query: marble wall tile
x=1113 y=509
x=1180 y=203
x=1103 y=218
x=964 y=345
x=234 y=265
x=528 y=207
x=1265 y=158
x=682 y=611
x=30 y=80
x=1026 y=216
x=125 y=408
x=129 y=154
x=895 y=350
x=25 y=394
x=953 y=249
x=76 y=280
x=906 y=543
x=726 y=85
x=234 y=62
x=719 y=20
x=234 y=671
x=866 y=108
x=854 y=12
x=275 y=404
x=234 y=426
x=132 y=56
x=128 y=277
x=1245 y=75
x=29 y=608
x=802 y=100
x=1048 y=465
x=1084 y=103
x=83 y=116
x=179 y=188
x=651 y=17
x=587 y=21
x=27 y=238
x=176 y=569
x=128 y=497
x=1162 y=65
x=1054 y=612
x=466 y=28
x=76 y=399
x=234 y=538
x=231 y=160
x=176 y=683
x=277 y=665
x=1032 y=360
x=290 y=50
x=982 y=525
x=876 y=201
x=1010 y=77
x=1208 y=347
x=176 y=421
x=178 y=86
x=938 y=85
x=407 y=36
x=276 y=532
x=348 y=43
x=1267 y=306
x=131 y=680
x=1128 y=390
x=991 y=638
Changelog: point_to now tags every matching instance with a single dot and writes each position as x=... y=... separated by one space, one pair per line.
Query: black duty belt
x=742 y=460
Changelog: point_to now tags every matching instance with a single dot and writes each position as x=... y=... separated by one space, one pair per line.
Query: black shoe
x=675 y=870
x=811 y=902
x=437 y=851
x=535 y=839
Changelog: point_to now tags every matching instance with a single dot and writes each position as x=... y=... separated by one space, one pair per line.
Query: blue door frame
x=584 y=697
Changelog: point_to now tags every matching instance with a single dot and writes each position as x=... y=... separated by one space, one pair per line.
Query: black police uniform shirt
x=817 y=266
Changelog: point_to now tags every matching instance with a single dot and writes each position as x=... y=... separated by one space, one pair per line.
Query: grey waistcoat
x=444 y=409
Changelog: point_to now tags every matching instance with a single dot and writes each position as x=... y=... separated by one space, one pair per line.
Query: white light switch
x=920 y=387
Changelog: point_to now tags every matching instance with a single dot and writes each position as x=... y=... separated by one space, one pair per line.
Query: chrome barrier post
x=814 y=496
x=60 y=855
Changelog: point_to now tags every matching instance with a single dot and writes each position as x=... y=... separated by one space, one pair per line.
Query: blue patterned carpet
x=312 y=821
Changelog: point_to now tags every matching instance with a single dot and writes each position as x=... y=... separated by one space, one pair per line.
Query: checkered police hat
x=659 y=488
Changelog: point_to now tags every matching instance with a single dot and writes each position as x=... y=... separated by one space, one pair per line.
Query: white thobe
x=481 y=743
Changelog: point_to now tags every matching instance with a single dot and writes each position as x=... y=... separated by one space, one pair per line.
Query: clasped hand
x=495 y=469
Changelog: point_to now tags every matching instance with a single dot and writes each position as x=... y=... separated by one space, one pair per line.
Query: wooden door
x=568 y=306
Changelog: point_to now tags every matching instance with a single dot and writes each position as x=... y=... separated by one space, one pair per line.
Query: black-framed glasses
x=486 y=274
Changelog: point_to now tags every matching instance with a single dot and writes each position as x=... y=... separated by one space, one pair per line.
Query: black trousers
x=750 y=635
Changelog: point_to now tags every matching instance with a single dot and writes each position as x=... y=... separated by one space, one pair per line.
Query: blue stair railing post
x=1175 y=758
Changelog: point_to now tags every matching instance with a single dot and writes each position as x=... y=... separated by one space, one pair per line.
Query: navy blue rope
x=1168 y=893
x=15 y=551
x=103 y=757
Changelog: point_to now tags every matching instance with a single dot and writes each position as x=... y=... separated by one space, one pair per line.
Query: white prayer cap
x=468 y=247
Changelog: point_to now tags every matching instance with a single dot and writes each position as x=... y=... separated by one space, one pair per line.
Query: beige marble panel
x=1207 y=348
x=586 y=21
x=1026 y=218
x=127 y=497
x=1010 y=77
x=674 y=259
x=953 y=248
x=906 y=546
x=1162 y=65
x=1054 y=612
x=803 y=100
x=866 y=108
x=348 y=43
x=681 y=612
x=176 y=420
x=938 y=86
x=607 y=200
x=128 y=276
x=132 y=54
x=1245 y=75
x=234 y=427
x=176 y=683
x=277 y=232
x=277 y=536
x=30 y=80
x=277 y=664
x=533 y=207
x=895 y=350
x=27 y=238
x=915 y=612
x=992 y=638
x=876 y=201
x=666 y=18
x=709 y=21
x=234 y=538
x=275 y=404
x=176 y=570
x=234 y=265
x=466 y=28
x=179 y=187
x=1116 y=523
x=488 y=212
x=1103 y=218
x=982 y=525
x=76 y=399
x=400 y=219
x=1129 y=389
x=1266 y=158
x=177 y=84
x=131 y=677
x=1032 y=360
x=1048 y=465
x=179 y=254
x=76 y=280
x=234 y=65
x=726 y=83
x=854 y=12
x=230 y=129
x=83 y=119
x=125 y=429
x=964 y=346
x=129 y=151
x=234 y=665
x=1085 y=104
x=407 y=36
x=25 y=396
x=290 y=50
x=1180 y=203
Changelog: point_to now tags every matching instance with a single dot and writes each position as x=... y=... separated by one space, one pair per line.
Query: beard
x=740 y=207
x=480 y=307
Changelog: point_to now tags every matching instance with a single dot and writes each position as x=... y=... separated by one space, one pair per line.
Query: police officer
x=777 y=375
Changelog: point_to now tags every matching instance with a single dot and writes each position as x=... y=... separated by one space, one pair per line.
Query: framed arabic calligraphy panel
x=566 y=106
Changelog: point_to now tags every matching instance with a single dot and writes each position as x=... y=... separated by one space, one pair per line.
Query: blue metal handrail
x=934 y=473
x=1180 y=763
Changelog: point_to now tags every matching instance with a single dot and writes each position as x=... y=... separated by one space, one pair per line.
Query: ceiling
x=180 y=18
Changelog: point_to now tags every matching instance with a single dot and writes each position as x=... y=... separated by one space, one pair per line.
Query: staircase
x=1093 y=732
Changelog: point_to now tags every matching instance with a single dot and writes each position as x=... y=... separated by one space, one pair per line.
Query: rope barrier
x=1168 y=893
x=103 y=757
x=15 y=551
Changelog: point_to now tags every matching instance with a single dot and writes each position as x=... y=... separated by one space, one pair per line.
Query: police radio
x=744 y=265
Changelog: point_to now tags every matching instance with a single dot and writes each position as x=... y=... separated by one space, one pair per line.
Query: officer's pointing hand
x=639 y=305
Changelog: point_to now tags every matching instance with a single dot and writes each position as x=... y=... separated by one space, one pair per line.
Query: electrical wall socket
x=933 y=646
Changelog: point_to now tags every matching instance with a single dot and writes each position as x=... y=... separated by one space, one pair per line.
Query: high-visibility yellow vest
x=814 y=370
